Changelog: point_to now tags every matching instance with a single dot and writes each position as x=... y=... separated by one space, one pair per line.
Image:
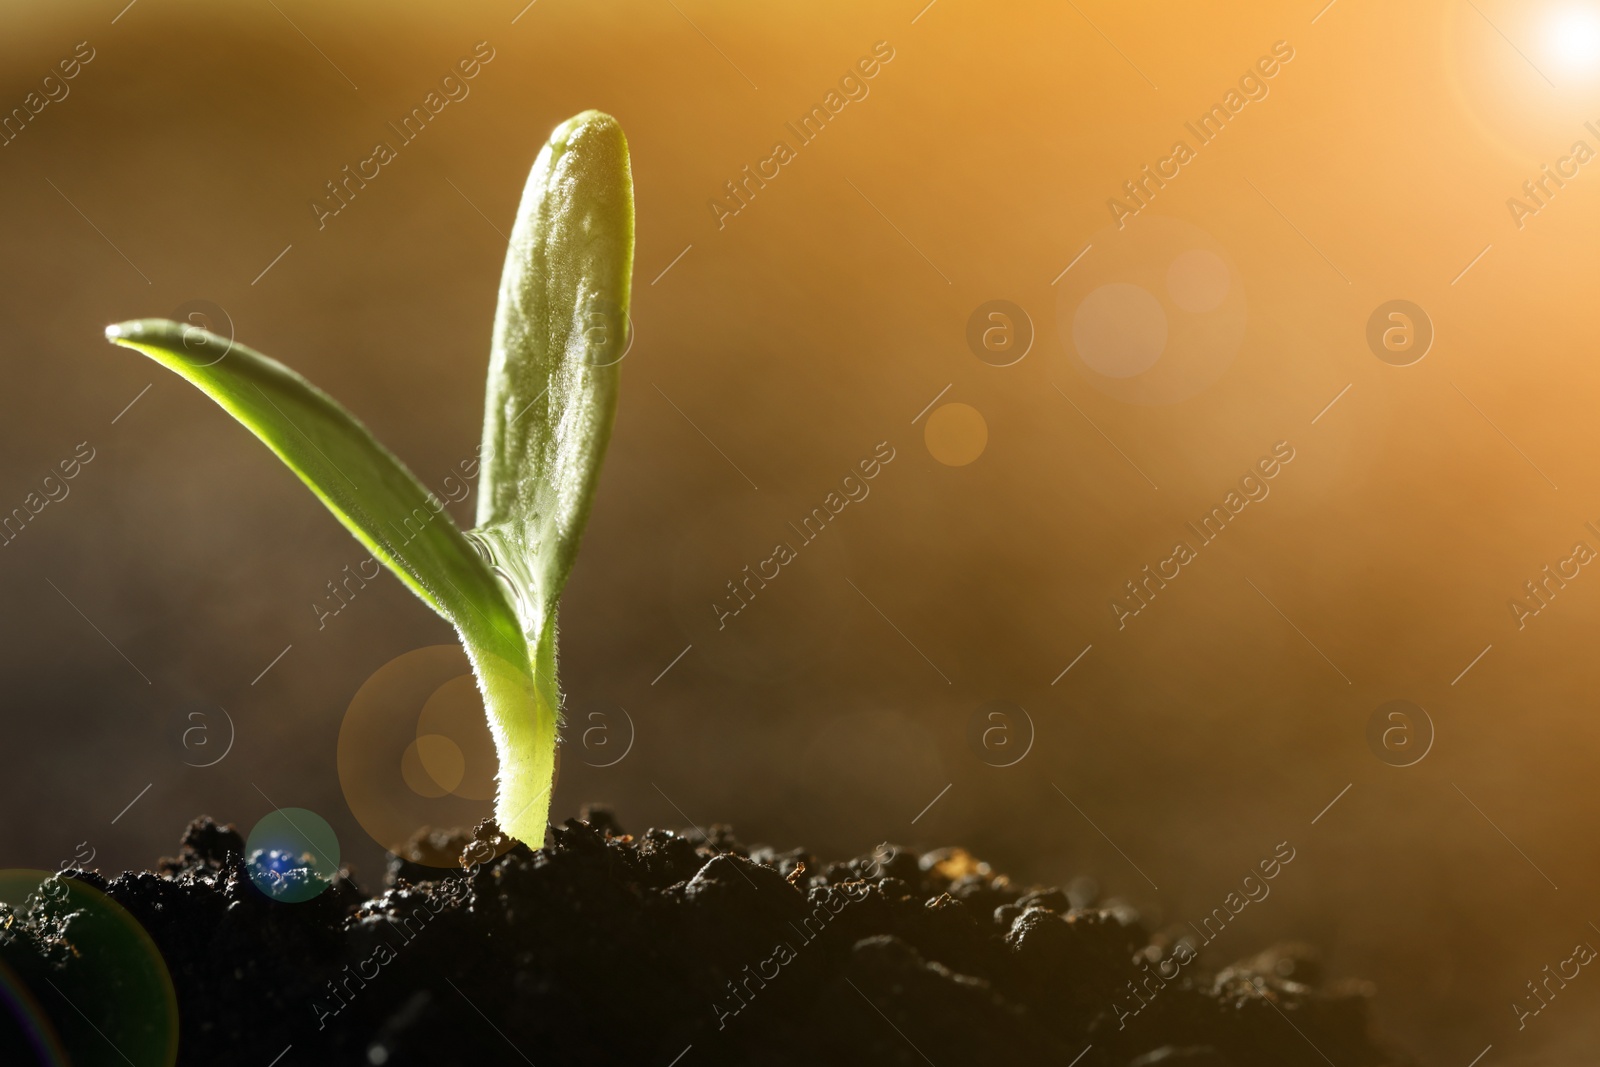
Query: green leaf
x=369 y=490
x=559 y=332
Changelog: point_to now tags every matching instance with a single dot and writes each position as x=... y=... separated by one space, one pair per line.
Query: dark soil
x=663 y=949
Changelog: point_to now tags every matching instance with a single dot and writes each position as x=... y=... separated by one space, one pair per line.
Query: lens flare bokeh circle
x=415 y=749
x=105 y=981
x=1154 y=314
x=956 y=434
x=292 y=854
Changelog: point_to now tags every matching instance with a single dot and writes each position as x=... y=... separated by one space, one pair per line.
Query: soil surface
x=668 y=949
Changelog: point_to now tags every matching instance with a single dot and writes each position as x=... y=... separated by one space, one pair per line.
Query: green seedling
x=559 y=331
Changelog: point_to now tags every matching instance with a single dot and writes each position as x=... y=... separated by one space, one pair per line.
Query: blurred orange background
x=776 y=348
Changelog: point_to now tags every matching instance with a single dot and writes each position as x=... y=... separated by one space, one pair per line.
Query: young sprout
x=559 y=331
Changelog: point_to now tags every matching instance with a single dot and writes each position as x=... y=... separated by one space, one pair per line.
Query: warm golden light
x=1105 y=442
x=1570 y=41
